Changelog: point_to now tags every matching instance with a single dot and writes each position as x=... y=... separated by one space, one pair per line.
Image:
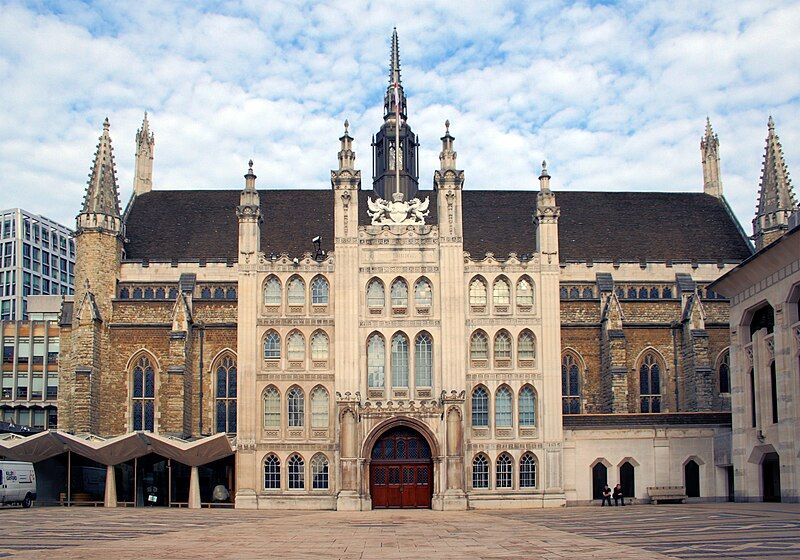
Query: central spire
x=394 y=75
x=394 y=81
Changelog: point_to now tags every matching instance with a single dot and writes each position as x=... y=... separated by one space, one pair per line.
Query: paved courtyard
x=719 y=531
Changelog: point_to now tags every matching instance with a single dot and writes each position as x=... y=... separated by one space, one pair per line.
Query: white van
x=17 y=483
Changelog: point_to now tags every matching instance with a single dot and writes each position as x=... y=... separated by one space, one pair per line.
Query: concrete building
x=37 y=256
x=394 y=346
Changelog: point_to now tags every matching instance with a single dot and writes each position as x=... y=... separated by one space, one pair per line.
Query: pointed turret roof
x=394 y=72
x=143 y=135
x=775 y=192
x=394 y=77
x=101 y=193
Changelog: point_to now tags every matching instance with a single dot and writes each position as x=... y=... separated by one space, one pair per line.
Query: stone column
x=194 y=489
x=110 y=498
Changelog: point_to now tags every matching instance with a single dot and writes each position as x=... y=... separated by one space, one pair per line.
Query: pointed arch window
x=399 y=294
x=320 y=291
x=226 y=395
x=272 y=408
x=272 y=291
x=479 y=346
x=526 y=349
x=480 y=408
x=650 y=384
x=399 y=360
x=320 y=346
x=296 y=292
x=295 y=347
x=527 y=471
x=376 y=297
x=524 y=293
x=295 y=402
x=423 y=360
x=477 y=292
x=423 y=293
x=527 y=407
x=503 y=472
x=725 y=373
x=143 y=395
x=376 y=361
x=502 y=349
x=296 y=469
x=319 y=472
x=501 y=292
x=272 y=472
x=570 y=385
x=272 y=346
x=502 y=407
x=480 y=471
x=319 y=408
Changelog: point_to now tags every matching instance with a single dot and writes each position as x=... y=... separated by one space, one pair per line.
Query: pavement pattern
x=719 y=531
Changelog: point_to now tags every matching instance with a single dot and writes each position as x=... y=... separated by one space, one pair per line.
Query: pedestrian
x=606 y=496
x=619 y=499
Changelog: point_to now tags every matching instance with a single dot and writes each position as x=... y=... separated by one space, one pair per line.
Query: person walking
x=606 y=496
x=619 y=499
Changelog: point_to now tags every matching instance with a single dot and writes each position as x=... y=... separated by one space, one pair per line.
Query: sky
x=613 y=95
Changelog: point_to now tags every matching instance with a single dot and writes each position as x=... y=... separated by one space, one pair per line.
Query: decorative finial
x=544 y=178
x=346 y=125
x=447 y=126
x=250 y=165
x=544 y=169
x=771 y=123
x=106 y=124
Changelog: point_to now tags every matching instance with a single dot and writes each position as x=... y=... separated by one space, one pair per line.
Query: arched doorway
x=691 y=478
x=599 y=480
x=401 y=470
x=627 y=480
x=771 y=477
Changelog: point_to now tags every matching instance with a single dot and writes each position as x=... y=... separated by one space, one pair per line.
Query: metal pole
x=169 y=482
x=397 y=136
x=69 y=478
x=135 y=482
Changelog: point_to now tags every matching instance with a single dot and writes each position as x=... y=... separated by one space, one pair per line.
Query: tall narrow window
x=502 y=349
x=570 y=385
x=319 y=472
x=423 y=294
x=272 y=408
x=296 y=407
x=477 y=292
x=376 y=361
x=650 y=384
x=399 y=360
x=527 y=407
x=479 y=346
x=502 y=407
x=753 y=416
x=272 y=472
x=226 y=395
x=725 y=373
x=272 y=291
x=773 y=386
x=296 y=469
x=480 y=471
x=296 y=292
x=319 y=291
x=144 y=392
x=399 y=294
x=480 y=407
x=527 y=471
x=524 y=293
x=526 y=349
x=423 y=360
x=272 y=346
x=319 y=408
x=320 y=346
x=295 y=347
x=501 y=292
x=376 y=298
x=503 y=474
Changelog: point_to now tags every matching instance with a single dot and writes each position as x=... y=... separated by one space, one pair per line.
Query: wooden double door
x=401 y=471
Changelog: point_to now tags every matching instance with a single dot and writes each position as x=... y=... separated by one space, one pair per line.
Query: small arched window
x=148 y=293
x=570 y=385
x=527 y=407
x=319 y=472
x=161 y=293
x=319 y=408
x=219 y=293
x=587 y=293
x=501 y=292
x=272 y=346
x=399 y=293
x=503 y=471
x=296 y=469
x=296 y=291
x=574 y=293
x=650 y=384
x=320 y=346
x=477 y=292
x=143 y=395
x=526 y=348
x=480 y=471
x=502 y=407
x=295 y=347
x=295 y=403
x=423 y=360
x=480 y=407
x=399 y=360
x=272 y=291
x=527 y=471
x=225 y=395
x=667 y=293
x=563 y=293
x=320 y=291
x=423 y=293
x=272 y=472
x=725 y=373
x=376 y=361
x=479 y=346
x=654 y=293
x=524 y=293
x=376 y=297
x=502 y=348
x=272 y=408
x=631 y=293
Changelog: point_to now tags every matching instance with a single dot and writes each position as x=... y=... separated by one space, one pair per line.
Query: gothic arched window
x=527 y=471
x=296 y=470
x=319 y=407
x=296 y=291
x=320 y=291
x=480 y=407
x=527 y=407
x=376 y=361
x=502 y=407
x=725 y=373
x=295 y=347
x=272 y=408
x=423 y=360
x=654 y=293
x=399 y=293
x=479 y=346
x=225 y=395
x=319 y=472
x=376 y=297
x=295 y=403
x=272 y=472
x=503 y=471
x=524 y=293
x=143 y=401
x=501 y=292
x=399 y=360
x=570 y=385
x=423 y=293
x=272 y=346
x=477 y=292
x=526 y=349
x=650 y=384
x=502 y=349
x=480 y=471
x=272 y=291
x=320 y=346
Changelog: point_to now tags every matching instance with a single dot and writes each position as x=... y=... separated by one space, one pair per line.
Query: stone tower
x=98 y=245
x=776 y=200
x=385 y=159
x=143 y=170
x=709 y=150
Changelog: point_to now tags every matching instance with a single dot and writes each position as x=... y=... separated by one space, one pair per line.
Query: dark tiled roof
x=626 y=226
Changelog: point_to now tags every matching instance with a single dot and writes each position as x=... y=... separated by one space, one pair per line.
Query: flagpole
x=396 y=136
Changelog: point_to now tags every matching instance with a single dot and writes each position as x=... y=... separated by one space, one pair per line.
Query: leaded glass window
x=272 y=346
x=399 y=293
x=423 y=294
x=376 y=361
x=423 y=360
x=272 y=473
x=527 y=471
x=570 y=385
x=320 y=291
x=296 y=292
x=319 y=472
x=480 y=471
x=272 y=291
x=272 y=408
x=477 y=292
x=502 y=407
x=524 y=293
x=296 y=471
x=479 y=346
x=526 y=348
x=296 y=407
x=319 y=408
x=295 y=347
x=527 y=407
x=650 y=384
x=226 y=396
x=320 y=345
x=480 y=407
x=503 y=471
x=144 y=392
x=376 y=296
x=502 y=346
x=725 y=373
x=399 y=360
x=501 y=292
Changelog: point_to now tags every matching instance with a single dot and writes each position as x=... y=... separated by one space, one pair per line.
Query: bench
x=666 y=494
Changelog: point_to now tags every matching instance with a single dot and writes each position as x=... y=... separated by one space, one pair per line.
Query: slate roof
x=599 y=226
